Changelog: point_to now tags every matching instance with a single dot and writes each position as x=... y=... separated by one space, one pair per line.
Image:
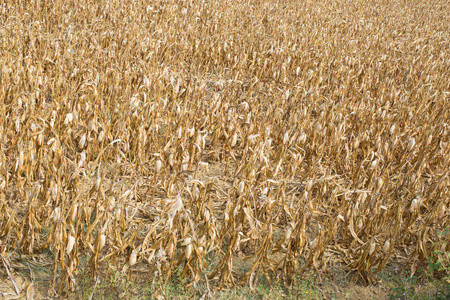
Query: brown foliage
x=167 y=132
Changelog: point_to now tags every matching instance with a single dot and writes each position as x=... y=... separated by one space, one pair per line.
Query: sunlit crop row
x=195 y=134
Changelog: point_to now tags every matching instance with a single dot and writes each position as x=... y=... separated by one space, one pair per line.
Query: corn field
x=186 y=135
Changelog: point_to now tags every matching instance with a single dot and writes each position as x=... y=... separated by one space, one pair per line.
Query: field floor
x=236 y=149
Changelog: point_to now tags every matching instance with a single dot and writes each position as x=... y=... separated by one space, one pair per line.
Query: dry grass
x=169 y=132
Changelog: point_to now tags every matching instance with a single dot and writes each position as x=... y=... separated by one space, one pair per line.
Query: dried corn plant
x=192 y=134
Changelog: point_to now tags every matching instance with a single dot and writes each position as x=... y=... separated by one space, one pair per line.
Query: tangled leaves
x=170 y=132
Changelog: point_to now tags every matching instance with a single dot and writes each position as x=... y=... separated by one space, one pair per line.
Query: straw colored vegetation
x=223 y=141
